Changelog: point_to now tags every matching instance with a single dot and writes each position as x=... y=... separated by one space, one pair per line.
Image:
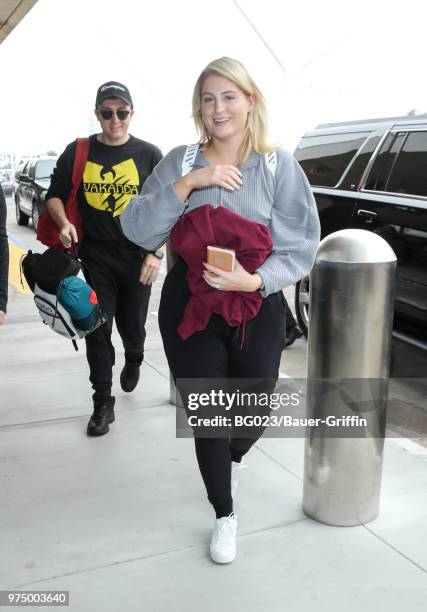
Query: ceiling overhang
x=11 y=13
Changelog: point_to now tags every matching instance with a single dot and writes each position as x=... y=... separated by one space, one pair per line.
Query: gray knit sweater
x=283 y=202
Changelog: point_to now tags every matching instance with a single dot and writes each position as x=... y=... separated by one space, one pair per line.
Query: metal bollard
x=351 y=318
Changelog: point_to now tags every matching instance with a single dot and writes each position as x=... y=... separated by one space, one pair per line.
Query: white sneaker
x=223 y=543
x=236 y=468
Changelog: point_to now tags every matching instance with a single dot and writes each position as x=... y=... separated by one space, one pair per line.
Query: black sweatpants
x=216 y=353
x=114 y=273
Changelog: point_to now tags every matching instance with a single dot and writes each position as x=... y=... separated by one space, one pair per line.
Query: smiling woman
x=218 y=324
x=225 y=97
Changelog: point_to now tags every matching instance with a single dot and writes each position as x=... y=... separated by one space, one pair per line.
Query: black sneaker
x=292 y=334
x=130 y=375
x=103 y=415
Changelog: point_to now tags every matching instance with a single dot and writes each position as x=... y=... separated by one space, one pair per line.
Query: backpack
x=65 y=301
x=191 y=152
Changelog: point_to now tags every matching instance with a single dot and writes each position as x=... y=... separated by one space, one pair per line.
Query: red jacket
x=208 y=226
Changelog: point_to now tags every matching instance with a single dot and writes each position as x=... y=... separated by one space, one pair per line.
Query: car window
x=31 y=170
x=378 y=176
x=26 y=167
x=409 y=174
x=325 y=158
x=354 y=175
x=45 y=168
x=19 y=169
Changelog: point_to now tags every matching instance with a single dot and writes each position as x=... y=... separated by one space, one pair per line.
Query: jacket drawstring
x=242 y=332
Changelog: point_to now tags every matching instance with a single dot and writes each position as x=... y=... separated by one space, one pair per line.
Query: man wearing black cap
x=122 y=273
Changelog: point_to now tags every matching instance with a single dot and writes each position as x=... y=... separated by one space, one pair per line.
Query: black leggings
x=215 y=353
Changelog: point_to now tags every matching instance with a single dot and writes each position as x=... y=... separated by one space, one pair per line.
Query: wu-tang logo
x=110 y=188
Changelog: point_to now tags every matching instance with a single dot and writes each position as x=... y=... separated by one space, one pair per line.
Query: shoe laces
x=226 y=528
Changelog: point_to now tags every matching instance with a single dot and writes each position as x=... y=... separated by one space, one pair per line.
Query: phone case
x=221 y=258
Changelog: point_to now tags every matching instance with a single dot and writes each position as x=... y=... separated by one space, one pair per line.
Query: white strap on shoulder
x=191 y=153
x=189 y=158
x=271 y=161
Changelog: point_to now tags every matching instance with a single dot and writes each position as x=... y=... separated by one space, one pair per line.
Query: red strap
x=80 y=158
x=72 y=204
x=47 y=231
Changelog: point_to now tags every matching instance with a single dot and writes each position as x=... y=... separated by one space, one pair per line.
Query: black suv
x=32 y=182
x=372 y=175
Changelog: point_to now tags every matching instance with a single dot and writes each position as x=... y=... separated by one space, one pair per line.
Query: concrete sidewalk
x=123 y=522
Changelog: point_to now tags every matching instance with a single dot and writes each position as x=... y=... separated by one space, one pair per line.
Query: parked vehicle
x=372 y=175
x=6 y=186
x=32 y=183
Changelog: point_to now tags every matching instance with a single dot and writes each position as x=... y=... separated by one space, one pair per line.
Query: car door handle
x=367 y=214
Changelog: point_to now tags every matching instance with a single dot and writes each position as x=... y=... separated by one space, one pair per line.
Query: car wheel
x=302 y=298
x=35 y=216
x=21 y=218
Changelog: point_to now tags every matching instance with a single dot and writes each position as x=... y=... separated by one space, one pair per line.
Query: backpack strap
x=80 y=159
x=71 y=204
x=271 y=162
x=191 y=153
x=189 y=158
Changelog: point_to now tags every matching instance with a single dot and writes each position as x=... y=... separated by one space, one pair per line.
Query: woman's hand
x=237 y=280
x=224 y=175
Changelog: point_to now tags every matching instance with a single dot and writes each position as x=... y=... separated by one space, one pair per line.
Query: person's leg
x=99 y=349
x=258 y=362
x=289 y=317
x=292 y=331
x=131 y=313
x=202 y=355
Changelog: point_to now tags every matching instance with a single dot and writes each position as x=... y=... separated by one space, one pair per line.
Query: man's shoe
x=292 y=334
x=130 y=375
x=236 y=469
x=103 y=415
x=223 y=543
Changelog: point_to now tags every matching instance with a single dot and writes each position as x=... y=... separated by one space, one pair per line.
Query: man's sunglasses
x=107 y=113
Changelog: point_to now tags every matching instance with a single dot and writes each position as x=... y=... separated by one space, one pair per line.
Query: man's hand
x=237 y=280
x=2 y=316
x=68 y=235
x=149 y=269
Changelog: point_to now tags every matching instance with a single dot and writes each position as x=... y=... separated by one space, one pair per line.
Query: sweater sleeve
x=294 y=226
x=149 y=218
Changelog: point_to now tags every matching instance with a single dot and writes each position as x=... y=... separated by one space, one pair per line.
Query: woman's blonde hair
x=256 y=135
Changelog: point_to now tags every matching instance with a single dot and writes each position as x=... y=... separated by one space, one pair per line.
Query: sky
x=314 y=61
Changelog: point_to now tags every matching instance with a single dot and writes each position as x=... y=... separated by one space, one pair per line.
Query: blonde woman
x=230 y=170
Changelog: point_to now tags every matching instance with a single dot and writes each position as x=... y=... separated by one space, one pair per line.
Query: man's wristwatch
x=158 y=253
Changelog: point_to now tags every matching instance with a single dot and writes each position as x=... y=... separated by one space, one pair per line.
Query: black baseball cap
x=113 y=89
